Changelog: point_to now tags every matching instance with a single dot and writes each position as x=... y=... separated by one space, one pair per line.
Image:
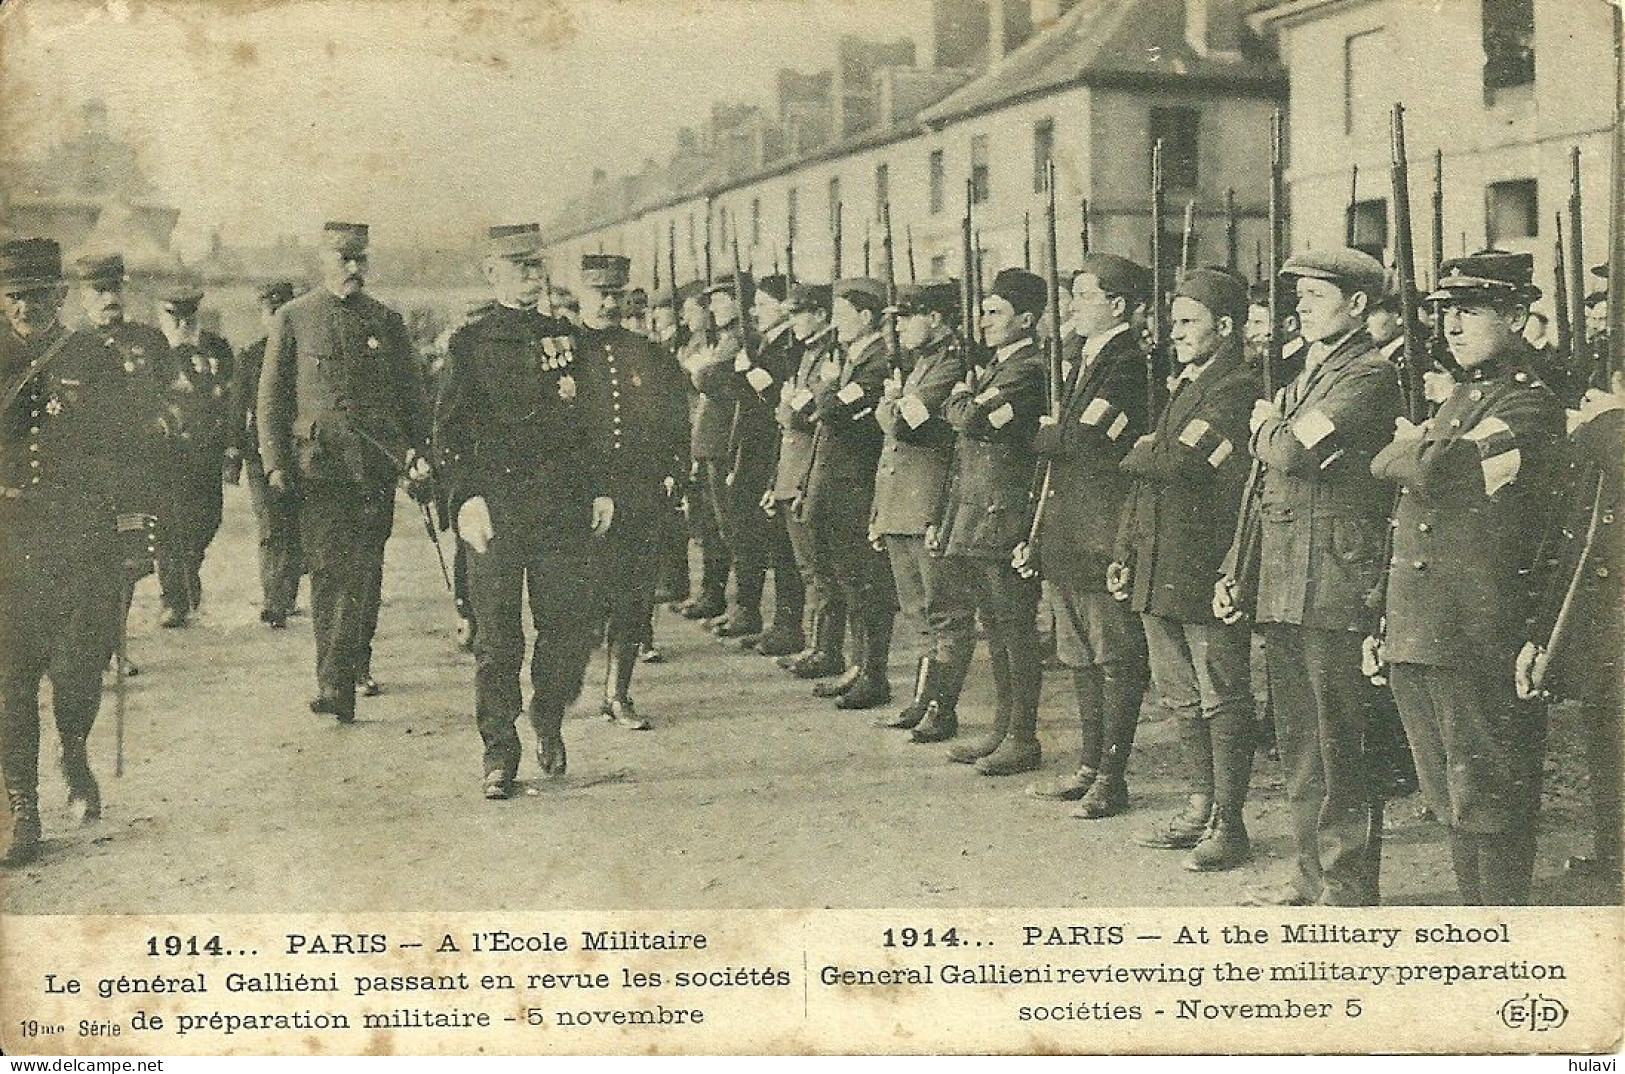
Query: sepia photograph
x=1148 y=461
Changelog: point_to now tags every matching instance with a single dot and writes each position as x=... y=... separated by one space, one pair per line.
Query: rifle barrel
x=1232 y=232
x=1405 y=265
x=1083 y=234
x=1560 y=299
x=1154 y=386
x=1577 y=265
x=1277 y=238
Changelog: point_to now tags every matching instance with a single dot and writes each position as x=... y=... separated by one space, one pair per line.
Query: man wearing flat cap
x=81 y=440
x=912 y=476
x=1188 y=475
x=994 y=413
x=709 y=420
x=197 y=381
x=516 y=439
x=1103 y=411
x=637 y=401
x=1322 y=518
x=341 y=420
x=275 y=517
x=1474 y=484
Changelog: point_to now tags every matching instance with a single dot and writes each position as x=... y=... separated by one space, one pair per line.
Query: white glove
x=603 y=513
x=474 y=523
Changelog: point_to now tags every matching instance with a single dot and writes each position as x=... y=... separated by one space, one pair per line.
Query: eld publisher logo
x=1534 y=1013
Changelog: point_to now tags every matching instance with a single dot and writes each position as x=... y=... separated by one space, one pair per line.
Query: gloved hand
x=1224 y=601
x=1117 y=580
x=1529 y=671
x=419 y=477
x=474 y=524
x=603 y=513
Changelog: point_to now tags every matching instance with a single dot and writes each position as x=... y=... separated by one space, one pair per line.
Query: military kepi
x=605 y=272
x=181 y=296
x=348 y=239
x=277 y=293
x=106 y=270
x=30 y=263
x=1488 y=274
x=514 y=242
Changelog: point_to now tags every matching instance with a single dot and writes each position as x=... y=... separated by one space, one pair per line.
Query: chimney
x=1213 y=28
x=1010 y=24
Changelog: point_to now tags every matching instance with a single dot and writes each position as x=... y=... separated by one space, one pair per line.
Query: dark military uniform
x=340 y=406
x=1323 y=517
x=514 y=427
x=197 y=381
x=1474 y=487
x=276 y=518
x=80 y=436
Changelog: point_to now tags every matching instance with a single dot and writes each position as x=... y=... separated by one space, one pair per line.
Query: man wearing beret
x=274 y=516
x=913 y=473
x=808 y=306
x=994 y=412
x=841 y=487
x=709 y=422
x=637 y=399
x=1322 y=517
x=80 y=433
x=519 y=445
x=1188 y=475
x=1103 y=411
x=341 y=419
x=1474 y=484
x=197 y=383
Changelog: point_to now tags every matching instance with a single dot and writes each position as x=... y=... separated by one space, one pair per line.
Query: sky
x=425 y=118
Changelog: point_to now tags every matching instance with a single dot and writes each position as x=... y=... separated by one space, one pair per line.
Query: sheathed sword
x=428 y=516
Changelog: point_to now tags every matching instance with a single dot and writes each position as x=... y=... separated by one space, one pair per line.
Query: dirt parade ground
x=749 y=792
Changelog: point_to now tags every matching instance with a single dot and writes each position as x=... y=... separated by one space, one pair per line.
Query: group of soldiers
x=1421 y=588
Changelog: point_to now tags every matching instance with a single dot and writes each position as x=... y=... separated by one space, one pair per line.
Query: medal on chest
x=567 y=387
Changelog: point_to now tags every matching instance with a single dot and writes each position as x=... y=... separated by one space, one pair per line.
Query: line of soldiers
x=939 y=477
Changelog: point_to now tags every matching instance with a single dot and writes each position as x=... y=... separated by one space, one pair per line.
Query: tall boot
x=914 y=711
x=84 y=795
x=856 y=629
x=745 y=618
x=784 y=634
x=1225 y=845
x=1020 y=750
x=1464 y=862
x=873 y=684
x=1074 y=785
x=1186 y=828
x=825 y=658
x=940 y=719
x=971 y=752
x=622 y=658
x=1122 y=690
x=25 y=829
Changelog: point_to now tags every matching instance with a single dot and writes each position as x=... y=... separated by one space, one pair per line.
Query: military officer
x=80 y=431
x=709 y=422
x=1188 y=476
x=517 y=441
x=1322 y=521
x=274 y=516
x=197 y=383
x=912 y=476
x=994 y=413
x=638 y=400
x=841 y=484
x=341 y=418
x=1103 y=411
x=1474 y=484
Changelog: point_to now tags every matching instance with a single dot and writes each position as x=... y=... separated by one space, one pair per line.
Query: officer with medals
x=1474 y=485
x=197 y=383
x=80 y=433
x=341 y=419
x=516 y=441
x=637 y=398
x=274 y=516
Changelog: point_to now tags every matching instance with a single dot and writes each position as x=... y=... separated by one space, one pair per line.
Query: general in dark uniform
x=638 y=401
x=341 y=418
x=275 y=517
x=516 y=440
x=1474 y=486
x=197 y=383
x=80 y=432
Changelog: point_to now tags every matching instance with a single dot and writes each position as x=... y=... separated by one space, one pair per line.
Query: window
x=1043 y=153
x=755 y=222
x=939 y=266
x=938 y=175
x=1178 y=129
x=1512 y=211
x=1371 y=225
x=834 y=200
x=722 y=227
x=980 y=190
x=882 y=187
x=1366 y=76
x=1509 y=44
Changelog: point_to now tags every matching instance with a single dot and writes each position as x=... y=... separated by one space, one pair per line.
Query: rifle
x=967 y=288
x=1349 y=214
x=1187 y=238
x=735 y=441
x=835 y=263
x=1582 y=568
x=708 y=272
x=1415 y=361
x=866 y=248
x=1560 y=301
x=654 y=263
x=1154 y=385
x=1027 y=241
x=789 y=244
x=1022 y=556
x=908 y=233
x=1232 y=232
x=1083 y=233
x=888 y=270
x=1436 y=344
x=980 y=265
x=1577 y=269
x=671 y=271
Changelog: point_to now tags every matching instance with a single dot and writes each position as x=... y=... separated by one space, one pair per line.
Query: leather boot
x=84 y=795
x=824 y=658
x=1071 y=787
x=707 y=604
x=618 y=708
x=873 y=685
x=856 y=628
x=784 y=634
x=940 y=720
x=1020 y=750
x=1186 y=828
x=971 y=752
x=1506 y=866
x=1122 y=690
x=1225 y=845
x=914 y=711
x=25 y=829
x=551 y=756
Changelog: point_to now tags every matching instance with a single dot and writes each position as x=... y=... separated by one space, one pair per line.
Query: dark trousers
x=343 y=528
x=554 y=570
x=963 y=588
x=188 y=525
x=61 y=615
x=1602 y=713
x=744 y=533
x=863 y=576
x=460 y=594
x=1326 y=726
x=703 y=527
x=822 y=598
x=626 y=567
x=281 y=563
